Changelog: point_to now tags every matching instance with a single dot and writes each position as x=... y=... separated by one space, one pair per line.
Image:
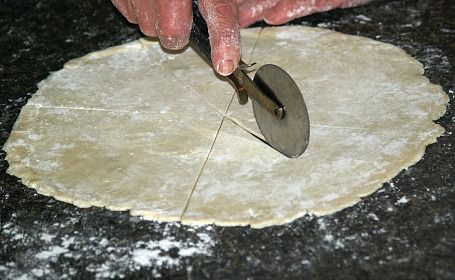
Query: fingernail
x=225 y=67
x=173 y=43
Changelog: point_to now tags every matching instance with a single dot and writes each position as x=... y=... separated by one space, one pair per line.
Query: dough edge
x=27 y=175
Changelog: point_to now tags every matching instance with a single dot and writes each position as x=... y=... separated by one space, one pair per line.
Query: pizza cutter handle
x=245 y=87
x=199 y=33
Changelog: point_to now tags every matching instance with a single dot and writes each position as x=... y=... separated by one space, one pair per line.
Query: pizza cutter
x=278 y=105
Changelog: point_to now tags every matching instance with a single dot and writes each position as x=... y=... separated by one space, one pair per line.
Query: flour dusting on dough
x=134 y=128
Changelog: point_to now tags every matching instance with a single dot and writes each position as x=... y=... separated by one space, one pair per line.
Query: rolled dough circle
x=134 y=128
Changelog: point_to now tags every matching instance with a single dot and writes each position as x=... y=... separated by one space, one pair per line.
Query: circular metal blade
x=291 y=134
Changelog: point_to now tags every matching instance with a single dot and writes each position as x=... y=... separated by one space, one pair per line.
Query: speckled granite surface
x=404 y=230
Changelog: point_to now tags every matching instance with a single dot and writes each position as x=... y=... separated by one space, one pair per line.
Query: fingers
x=126 y=8
x=287 y=10
x=173 y=22
x=222 y=22
x=253 y=10
x=144 y=10
x=169 y=20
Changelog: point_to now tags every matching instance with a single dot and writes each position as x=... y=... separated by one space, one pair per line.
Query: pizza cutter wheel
x=278 y=105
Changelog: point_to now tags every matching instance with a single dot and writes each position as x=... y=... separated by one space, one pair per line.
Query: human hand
x=170 y=21
x=281 y=11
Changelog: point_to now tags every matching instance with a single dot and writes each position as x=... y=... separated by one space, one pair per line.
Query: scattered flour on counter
x=328 y=238
x=362 y=18
x=373 y=216
x=402 y=200
x=46 y=237
x=165 y=253
x=51 y=253
x=105 y=257
x=153 y=252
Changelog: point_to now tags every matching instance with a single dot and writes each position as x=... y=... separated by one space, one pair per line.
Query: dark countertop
x=404 y=230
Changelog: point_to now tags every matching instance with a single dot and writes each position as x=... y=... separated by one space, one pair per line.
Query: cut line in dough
x=135 y=128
